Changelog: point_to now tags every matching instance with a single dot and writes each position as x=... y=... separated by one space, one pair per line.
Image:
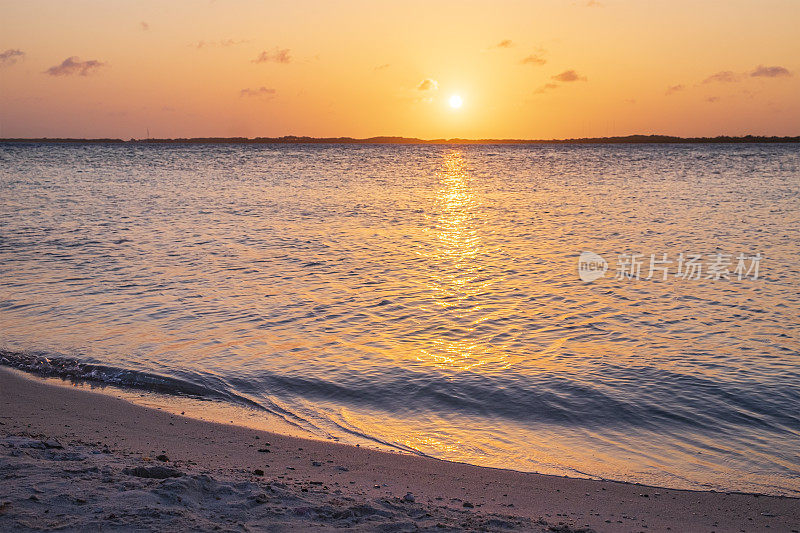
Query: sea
x=612 y=311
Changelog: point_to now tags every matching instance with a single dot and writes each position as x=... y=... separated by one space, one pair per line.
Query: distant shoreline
x=291 y=139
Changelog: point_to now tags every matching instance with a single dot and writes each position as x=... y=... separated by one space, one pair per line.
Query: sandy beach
x=79 y=460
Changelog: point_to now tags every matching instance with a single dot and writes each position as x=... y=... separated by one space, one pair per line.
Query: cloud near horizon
x=11 y=56
x=428 y=85
x=770 y=72
x=725 y=76
x=261 y=91
x=505 y=43
x=73 y=65
x=546 y=87
x=534 y=59
x=278 y=55
x=222 y=43
x=569 y=76
x=728 y=76
x=672 y=89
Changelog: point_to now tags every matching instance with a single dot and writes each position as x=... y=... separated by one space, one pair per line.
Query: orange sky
x=524 y=69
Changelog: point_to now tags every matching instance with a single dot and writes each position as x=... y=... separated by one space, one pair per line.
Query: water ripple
x=426 y=297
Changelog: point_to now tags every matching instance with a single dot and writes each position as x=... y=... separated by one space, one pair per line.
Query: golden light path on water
x=454 y=265
x=458 y=269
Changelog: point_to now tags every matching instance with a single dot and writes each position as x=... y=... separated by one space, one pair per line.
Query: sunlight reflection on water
x=426 y=297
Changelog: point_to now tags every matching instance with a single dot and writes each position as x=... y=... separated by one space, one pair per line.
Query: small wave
x=71 y=369
x=68 y=368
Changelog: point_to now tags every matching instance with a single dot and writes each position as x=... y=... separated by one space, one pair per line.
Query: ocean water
x=428 y=298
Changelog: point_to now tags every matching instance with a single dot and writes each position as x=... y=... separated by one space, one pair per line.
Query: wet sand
x=75 y=459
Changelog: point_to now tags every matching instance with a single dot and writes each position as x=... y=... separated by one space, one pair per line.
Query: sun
x=455 y=101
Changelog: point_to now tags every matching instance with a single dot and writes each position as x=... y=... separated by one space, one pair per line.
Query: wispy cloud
x=770 y=72
x=672 y=89
x=425 y=91
x=593 y=3
x=725 y=76
x=534 y=59
x=761 y=71
x=259 y=92
x=72 y=66
x=144 y=26
x=712 y=99
x=11 y=56
x=382 y=67
x=505 y=43
x=569 y=76
x=546 y=87
x=428 y=85
x=277 y=55
x=222 y=43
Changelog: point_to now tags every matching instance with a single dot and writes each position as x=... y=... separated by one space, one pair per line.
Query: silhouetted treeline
x=291 y=139
x=58 y=140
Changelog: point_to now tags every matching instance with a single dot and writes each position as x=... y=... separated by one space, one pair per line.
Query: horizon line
x=294 y=139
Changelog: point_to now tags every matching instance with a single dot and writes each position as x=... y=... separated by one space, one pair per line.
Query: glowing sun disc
x=455 y=101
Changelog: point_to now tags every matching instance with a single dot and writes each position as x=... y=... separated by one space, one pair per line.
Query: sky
x=522 y=69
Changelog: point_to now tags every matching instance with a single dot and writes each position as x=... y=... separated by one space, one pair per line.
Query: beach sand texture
x=79 y=460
